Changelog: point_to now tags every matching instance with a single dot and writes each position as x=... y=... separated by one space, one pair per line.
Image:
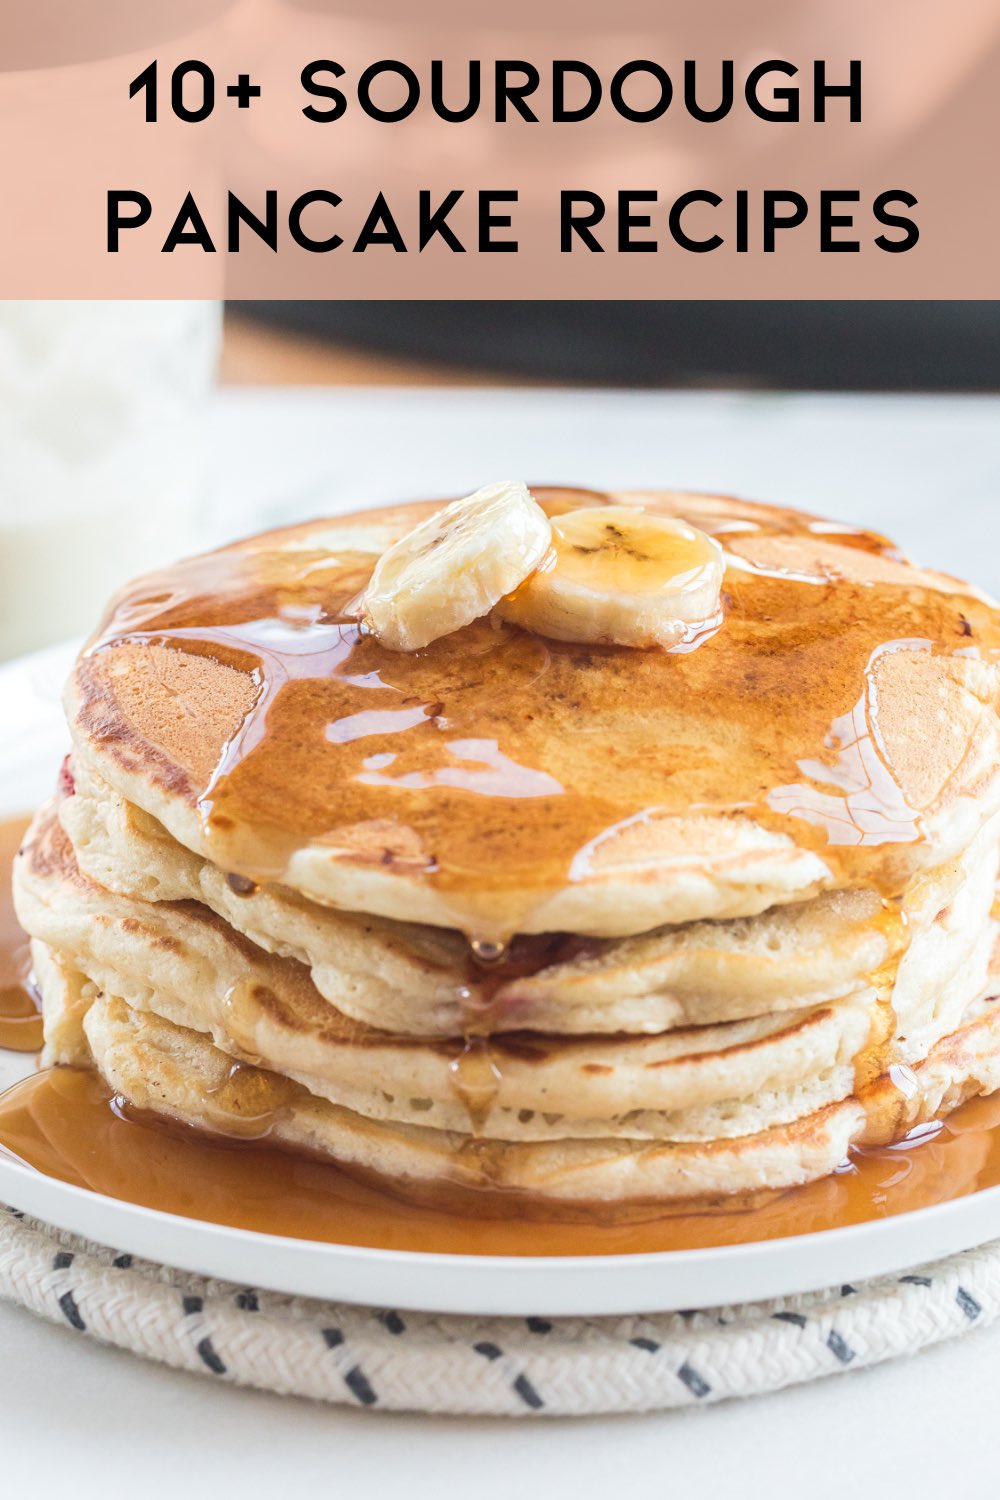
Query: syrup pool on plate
x=67 y=1123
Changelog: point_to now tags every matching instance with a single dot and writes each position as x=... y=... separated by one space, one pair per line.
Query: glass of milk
x=102 y=408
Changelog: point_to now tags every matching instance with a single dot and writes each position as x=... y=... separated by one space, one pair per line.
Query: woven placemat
x=518 y=1367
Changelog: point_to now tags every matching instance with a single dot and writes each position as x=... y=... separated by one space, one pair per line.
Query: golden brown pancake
x=838 y=729
x=180 y=962
x=419 y=981
x=175 y=1072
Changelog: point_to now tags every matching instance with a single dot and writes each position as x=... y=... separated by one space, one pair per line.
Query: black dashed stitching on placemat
x=695 y=1382
x=968 y=1304
x=709 y=1381
x=357 y=1383
x=839 y=1347
x=71 y=1312
x=527 y=1393
x=209 y=1358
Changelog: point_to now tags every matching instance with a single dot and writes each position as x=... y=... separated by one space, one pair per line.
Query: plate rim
x=495 y=1285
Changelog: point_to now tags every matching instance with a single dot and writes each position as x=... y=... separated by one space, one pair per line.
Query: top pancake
x=838 y=729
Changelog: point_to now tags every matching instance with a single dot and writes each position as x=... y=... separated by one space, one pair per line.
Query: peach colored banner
x=319 y=148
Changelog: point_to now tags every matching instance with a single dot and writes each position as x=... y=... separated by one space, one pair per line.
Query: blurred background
x=875 y=346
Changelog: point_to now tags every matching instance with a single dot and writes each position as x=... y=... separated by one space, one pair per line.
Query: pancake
x=180 y=961
x=170 y=1071
x=175 y=1072
x=838 y=731
x=418 y=981
x=404 y=977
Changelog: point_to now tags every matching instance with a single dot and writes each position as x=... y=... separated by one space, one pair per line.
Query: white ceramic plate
x=33 y=740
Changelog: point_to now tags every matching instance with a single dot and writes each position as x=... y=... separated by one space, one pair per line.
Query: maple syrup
x=20 y=1017
x=498 y=762
x=67 y=1124
x=476 y=1079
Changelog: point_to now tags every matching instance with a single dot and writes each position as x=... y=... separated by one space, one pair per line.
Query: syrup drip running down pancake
x=838 y=728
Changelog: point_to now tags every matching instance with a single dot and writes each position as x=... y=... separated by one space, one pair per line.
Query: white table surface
x=84 y=1421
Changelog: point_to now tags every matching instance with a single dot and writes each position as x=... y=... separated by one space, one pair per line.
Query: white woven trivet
x=403 y=1361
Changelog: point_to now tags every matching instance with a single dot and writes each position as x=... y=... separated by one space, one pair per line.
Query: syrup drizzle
x=476 y=1075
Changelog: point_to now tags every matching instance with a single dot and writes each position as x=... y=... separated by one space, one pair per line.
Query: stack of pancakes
x=588 y=923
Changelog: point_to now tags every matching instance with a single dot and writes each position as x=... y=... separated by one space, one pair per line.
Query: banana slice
x=455 y=566
x=618 y=575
